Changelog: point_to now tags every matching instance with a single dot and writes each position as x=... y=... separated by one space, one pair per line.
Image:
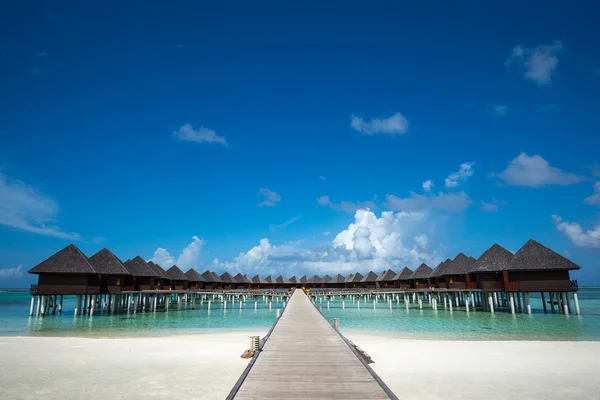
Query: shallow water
x=397 y=322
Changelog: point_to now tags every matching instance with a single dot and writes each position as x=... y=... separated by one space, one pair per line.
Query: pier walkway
x=304 y=357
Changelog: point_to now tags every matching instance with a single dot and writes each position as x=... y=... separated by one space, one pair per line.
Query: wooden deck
x=304 y=357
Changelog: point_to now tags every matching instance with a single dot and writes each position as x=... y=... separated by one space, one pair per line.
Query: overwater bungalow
x=385 y=279
x=401 y=280
x=258 y=282
x=295 y=282
x=353 y=280
x=487 y=272
x=228 y=281
x=325 y=281
x=144 y=275
x=420 y=278
x=536 y=268
x=114 y=278
x=195 y=280
x=66 y=272
x=271 y=282
x=162 y=280
x=348 y=281
x=437 y=278
x=304 y=280
x=179 y=281
x=314 y=282
x=282 y=282
x=457 y=272
x=369 y=281
x=212 y=280
x=243 y=281
x=337 y=282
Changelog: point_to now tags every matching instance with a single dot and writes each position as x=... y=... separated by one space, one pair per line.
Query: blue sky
x=298 y=138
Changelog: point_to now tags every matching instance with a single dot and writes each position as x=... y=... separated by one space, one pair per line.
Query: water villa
x=420 y=278
x=402 y=278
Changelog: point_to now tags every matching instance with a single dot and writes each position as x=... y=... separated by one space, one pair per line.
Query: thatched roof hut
x=282 y=280
x=69 y=260
x=304 y=279
x=404 y=274
x=534 y=256
x=386 y=276
x=440 y=269
x=314 y=280
x=357 y=277
x=242 y=279
x=459 y=266
x=227 y=279
x=106 y=263
x=259 y=280
x=349 y=278
x=294 y=280
x=339 y=279
x=270 y=280
x=494 y=259
x=370 y=277
x=194 y=276
x=140 y=268
x=176 y=274
x=422 y=272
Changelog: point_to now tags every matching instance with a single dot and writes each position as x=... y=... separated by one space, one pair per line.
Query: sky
x=298 y=137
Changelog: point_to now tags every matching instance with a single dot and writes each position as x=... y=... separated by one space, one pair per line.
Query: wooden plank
x=306 y=358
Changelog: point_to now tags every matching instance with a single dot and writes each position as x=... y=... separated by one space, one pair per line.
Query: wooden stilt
x=544 y=303
x=32 y=306
x=565 y=305
x=491 y=302
x=512 y=303
x=552 y=302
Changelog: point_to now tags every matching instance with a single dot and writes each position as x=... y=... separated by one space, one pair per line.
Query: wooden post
x=496 y=299
x=358 y=304
x=527 y=302
x=278 y=313
x=93 y=304
x=473 y=300
x=576 y=300
x=420 y=302
x=450 y=303
x=467 y=303
x=512 y=303
x=565 y=305
x=77 y=304
x=491 y=302
x=32 y=306
x=544 y=303
x=552 y=302
x=457 y=298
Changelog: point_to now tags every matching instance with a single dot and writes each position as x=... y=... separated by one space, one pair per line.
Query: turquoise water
x=397 y=322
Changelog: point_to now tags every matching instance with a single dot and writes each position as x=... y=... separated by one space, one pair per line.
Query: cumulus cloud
x=369 y=243
x=190 y=256
x=450 y=202
x=12 y=273
x=538 y=63
x=271 y=198
x=589 y=239
x=534 y=171
x=394 y=125
x=500 y=109
x=24 y=208
x=465 y=171
x=489 y=207
x=187 y=133
x=346 y=206
x=427 y=186
x=594 y=199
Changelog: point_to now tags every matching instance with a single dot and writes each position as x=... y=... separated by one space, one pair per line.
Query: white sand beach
x=207 y=366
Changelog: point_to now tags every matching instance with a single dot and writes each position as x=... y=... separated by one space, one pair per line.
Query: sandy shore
x=207 y=366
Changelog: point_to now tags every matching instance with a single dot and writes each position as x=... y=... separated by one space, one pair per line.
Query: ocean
x=396 y=322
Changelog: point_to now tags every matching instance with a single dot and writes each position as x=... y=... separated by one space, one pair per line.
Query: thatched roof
x=536 y=257
x=211 y=277
x=422 y=272
x=403 y=275
x=349 y=278
x=326 y=279
x=140 y=268
x=239 y=278
x=160 y=272
x=495 y=259
x=227 y=278
x=282 y=280
x=259 y=280
x=337 y=279
x=357 y=277
x=386 y=276
x=304 y=279
x=440 y=269
x=194 y=276
x=69 y=260
x=370 y=277
x=295 y=280
x=314 y=279
x=270 y=279
x=106 y=263
x=459 y=266
x=175 y=274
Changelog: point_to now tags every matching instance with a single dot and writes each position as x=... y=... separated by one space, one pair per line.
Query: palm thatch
x=536 y=257
x=270 y=279
x=315 y=280
x=304 y=279
x=175 y=274
x=495 y=259
x=227 y=278
x=337 y=279
x=69 y=260
x=403 y=275
x=386 y=276
x=349 y=278
x=259 y=280
x=211 y=277
x=194 y=276
x=326 y=279
x=295 y=280
x=106 y=263
x=160 y=272
x=282 y=280
x=239 y=278
x=370 y=277
x=422 y=272
x=358 y=277
x=140 y=268
x=440 y=269
x=459 y=266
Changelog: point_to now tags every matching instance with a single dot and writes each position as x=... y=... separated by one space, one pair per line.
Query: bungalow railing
x=33 y=290
x=574 y=285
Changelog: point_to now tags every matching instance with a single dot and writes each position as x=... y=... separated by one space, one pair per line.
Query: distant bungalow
x=179 y=281
x=195 y=280
x=386 y=279
x=420 y=278
x=402 y=278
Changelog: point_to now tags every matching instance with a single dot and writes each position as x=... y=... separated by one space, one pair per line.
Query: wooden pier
x=304 y=357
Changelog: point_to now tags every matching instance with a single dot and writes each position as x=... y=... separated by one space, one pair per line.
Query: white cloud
x=589 y=239
x=500 y=109
x=489 y=207
x=271 y=198
x=11 y=273
x=427 y=185
x=369 y=243
x=323 y=178
x=346 y=206
x=450 y=202
x=187 y=133
x=283 y=225
x=394 y=125
x=466 y=170
x=539 y=63
x=594 y=199
x=535 y=172
x=24 y=208
x=190 y=256
x=327 y=233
